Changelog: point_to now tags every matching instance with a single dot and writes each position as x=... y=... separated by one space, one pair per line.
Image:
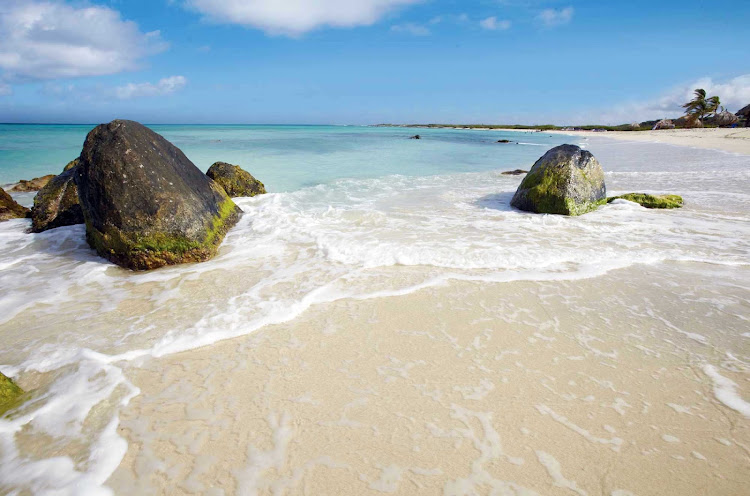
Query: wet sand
x=594 y=386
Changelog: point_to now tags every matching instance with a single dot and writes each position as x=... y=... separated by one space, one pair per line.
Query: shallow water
x=399 y=265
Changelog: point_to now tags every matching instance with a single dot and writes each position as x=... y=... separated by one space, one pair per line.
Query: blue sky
x=367 y=61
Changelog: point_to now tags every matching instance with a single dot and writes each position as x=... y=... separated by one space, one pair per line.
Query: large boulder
x=10 y=209
x=57 y=203
x=145 y=204
x=235 y=180
x=35 y=184
x=566 y=180
x=10 y=393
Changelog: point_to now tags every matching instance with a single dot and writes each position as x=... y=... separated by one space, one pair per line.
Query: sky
x=368 y=61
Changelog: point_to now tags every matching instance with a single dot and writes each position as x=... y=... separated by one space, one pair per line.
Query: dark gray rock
x=57 y=203
x=145 y=204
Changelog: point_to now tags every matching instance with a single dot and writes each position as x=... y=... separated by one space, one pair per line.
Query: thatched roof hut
x=664 y=124
x=725 y=119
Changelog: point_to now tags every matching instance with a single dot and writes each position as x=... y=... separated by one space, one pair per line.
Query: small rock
x=10 y=209
x=57 y=204
x=35 y=184
x=516 y=172
x=416 y=136
x=235 y=180
x=504 y=141
x=650 y=201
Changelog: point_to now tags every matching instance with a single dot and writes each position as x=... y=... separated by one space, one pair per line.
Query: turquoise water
x=287 y=158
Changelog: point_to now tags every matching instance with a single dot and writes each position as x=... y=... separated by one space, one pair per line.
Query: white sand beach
x=735 y=140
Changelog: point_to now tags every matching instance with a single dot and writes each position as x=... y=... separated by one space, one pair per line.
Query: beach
x=383 y=321
x=734 y=140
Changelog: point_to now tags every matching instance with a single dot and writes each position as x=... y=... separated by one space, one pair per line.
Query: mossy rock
x=145 y=204
x=10 y=209
x=10 y=393
x=71 y=164
x=650 y=201
x=566 y=180
x=235 y=181
x=57 y=203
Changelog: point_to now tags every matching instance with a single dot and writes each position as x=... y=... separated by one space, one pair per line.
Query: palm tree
x=700 y=106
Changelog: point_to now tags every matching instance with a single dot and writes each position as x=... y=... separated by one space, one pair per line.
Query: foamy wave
x=355 y=239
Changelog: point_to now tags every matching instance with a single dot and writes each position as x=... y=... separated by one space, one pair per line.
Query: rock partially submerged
x=57 y=204
x=10 y=393
x=650 y=201
x=516 y=172
x=145 y=203
x=35 y=184
x=504 y=141
x=566 y=180
x=416 y=136
x=235 y=180
x=10 y=209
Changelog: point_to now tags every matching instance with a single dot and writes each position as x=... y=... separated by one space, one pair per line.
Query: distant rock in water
x=35 y=184
x=145 y=204
x=504 y=141
x=10 y=393
x=57 y=204
x=663 y=124
x=650 y=201
x=235 y=180
x=10 y=209
x=516 y=172
x=566 y=180
x=416 y=136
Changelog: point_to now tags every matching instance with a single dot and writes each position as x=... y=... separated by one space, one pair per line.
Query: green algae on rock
x=650 y=201
x=10 y=393
x=566 y=180
x=145 y=204
x=71 y=164
x=57 y=204
x=10 y=209
x=235 y=181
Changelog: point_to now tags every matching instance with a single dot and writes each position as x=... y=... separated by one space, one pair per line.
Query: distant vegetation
x=701 y=111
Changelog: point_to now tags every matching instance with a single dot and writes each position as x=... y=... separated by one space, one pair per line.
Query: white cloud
x=734 y=94
x=493 y=24
x=555 y=17
x=411 y=28
x=50 y=39
x=296 y=17
x=165 y=86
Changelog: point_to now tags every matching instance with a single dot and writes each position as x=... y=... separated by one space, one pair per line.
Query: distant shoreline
x=733 y=140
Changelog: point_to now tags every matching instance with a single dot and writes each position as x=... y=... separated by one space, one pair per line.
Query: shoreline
x=735 y=140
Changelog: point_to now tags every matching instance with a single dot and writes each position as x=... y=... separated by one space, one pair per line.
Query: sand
x=583 y=387
x=729 y=140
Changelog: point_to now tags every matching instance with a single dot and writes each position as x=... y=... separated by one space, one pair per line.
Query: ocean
x=384 y=321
